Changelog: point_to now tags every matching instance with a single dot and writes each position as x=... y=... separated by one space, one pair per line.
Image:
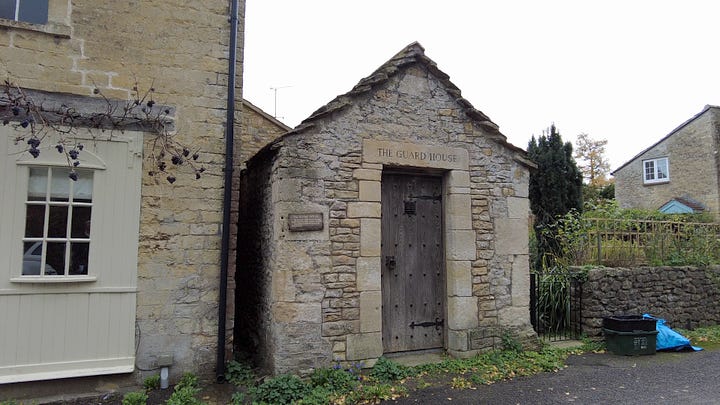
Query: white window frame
x=68 y=239
x=655 y=176
x=58 y=20
x=18 y=6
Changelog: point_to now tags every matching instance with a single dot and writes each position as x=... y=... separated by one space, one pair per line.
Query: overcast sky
x=625 y=71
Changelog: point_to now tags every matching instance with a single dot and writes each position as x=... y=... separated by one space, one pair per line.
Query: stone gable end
x=314 y=297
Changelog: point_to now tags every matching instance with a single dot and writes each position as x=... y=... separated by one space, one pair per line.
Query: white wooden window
x=57 y=222
x=656 y=171
x=31 y=11
x=77 y=319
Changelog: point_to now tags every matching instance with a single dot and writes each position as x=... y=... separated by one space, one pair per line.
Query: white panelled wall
x=58 y=326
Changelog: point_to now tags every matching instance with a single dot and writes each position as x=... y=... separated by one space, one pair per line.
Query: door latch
x=390 y=262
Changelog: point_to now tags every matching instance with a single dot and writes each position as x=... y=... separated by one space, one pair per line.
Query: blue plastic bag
x=668 y=339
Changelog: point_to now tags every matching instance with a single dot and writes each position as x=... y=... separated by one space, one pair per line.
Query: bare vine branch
x=34 y=121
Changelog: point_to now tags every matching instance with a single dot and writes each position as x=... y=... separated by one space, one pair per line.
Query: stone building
x=393 y=219
x=258 y=128
x=148 y=291
x=680 y=173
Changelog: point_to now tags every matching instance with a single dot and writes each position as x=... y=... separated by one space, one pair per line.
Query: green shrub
x=387 y=370
x=318 y=396
x=152 y=382
x=8 y=402
x=510 y=343
x=334 y=379
x=184 y=395
x=185 y=391
x=283 y=389
x=238 y=398
x=239 y=373
x=135 y=398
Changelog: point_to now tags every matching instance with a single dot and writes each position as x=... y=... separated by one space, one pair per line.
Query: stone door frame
x=458 y=235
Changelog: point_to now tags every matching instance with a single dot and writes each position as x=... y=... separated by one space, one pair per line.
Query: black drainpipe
x=227 y=197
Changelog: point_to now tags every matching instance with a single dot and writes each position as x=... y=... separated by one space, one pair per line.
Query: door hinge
x=437 y=324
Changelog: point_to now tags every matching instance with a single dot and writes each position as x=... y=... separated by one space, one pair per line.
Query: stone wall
x=257 y=130
x=693 y=166
x=687 y=297
x=324 y=286
x=181 y=49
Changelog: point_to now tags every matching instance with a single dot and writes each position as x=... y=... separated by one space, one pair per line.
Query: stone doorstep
x=416 y=358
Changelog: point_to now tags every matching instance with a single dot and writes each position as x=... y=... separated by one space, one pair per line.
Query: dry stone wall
x=687 y=297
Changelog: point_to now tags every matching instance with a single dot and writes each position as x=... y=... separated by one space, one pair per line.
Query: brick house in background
x=678 y=174
x=148 y=291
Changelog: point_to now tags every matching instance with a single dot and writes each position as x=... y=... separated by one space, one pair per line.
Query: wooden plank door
x=412 y=263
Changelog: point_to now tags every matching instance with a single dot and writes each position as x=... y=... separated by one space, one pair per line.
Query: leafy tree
x=555 y=187
x=595 y=165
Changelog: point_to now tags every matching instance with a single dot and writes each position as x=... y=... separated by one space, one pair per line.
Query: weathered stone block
x=364 y=346
x=459 y=278
x=458 y=178
x=363 y=210
x=462 y=313
x=460 y=244
x=457 y=340
x=369 y=190
x=518 y=208
x=370 y=237
x=370 y=311
x=293 y=312
x=521 y=281
x=511 y=236
x=367 y=174
x=368 y=273
x=457 y=211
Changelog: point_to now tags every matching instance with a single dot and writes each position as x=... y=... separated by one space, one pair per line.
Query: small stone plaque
x=305 y=222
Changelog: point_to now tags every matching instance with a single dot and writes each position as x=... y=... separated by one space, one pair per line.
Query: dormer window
x=656 y=171
x=30 y=11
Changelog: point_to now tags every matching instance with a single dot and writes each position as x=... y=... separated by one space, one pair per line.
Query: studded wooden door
x=412 y=263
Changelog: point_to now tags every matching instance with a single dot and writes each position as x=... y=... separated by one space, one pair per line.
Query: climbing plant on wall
x=34 y=120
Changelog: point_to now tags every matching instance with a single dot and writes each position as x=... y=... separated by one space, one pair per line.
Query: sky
x=625 y=71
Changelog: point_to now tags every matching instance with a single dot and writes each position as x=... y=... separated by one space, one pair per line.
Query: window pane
x=649 y=170
x=35 y=217
x=79 y=257
x=662 y=172
x=37 y=185
x=60 y=185
x=55 y=258
x=57 y=223
x=82 y=188
x=7 y=9
x=81 y=222
x=33 y=11
x=32 y=258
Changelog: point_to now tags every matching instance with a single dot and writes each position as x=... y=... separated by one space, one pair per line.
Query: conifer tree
x=555 y=187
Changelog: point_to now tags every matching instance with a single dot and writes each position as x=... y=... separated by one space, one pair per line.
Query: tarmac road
x=663 y=378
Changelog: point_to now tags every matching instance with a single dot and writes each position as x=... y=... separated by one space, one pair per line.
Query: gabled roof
x=411 y=54
x=673 y=132
x=265 y=115
x=680 y=204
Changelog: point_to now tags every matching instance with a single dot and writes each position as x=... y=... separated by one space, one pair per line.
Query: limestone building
x=119 y=273
x=393 y=219
x=677 y=174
